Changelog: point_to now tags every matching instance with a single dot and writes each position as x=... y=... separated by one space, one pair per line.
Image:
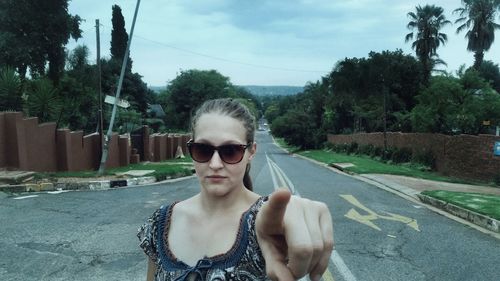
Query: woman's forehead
x=216 y=127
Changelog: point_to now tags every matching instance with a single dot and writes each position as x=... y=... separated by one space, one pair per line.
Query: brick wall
x=462 y=156
x=3 y=153
x=27 y=145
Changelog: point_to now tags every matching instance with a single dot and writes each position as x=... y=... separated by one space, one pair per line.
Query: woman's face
x=217 y=177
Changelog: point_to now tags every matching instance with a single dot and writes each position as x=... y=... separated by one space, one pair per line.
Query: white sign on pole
x=121 y=103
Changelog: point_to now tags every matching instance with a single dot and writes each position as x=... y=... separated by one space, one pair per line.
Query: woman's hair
x=236 y=110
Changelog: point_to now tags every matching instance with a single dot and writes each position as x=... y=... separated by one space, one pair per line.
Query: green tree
x=436 y=105
x=427 y=22
x=453 y=105
x=189 y=90
x=271 y=113
x=295 y=127
x=78 y=57
x=78 y=92
x=491 y=73
x=10 y=90
x=357 y=89
x=43 y=100
x=34 y=33
x=478 y=18
x=119 y=38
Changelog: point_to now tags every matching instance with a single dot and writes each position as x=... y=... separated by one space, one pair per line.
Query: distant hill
x=273 y=90
x=256 y=90
x=157 y=89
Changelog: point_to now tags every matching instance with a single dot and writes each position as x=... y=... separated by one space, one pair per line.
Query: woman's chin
x=217 y=189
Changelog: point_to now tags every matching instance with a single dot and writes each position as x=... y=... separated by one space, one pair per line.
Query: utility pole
x=100 y=113
x=107 y=138
x=385 y=119
x=384 y=92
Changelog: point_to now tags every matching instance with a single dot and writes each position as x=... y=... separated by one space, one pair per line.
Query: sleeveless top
x=244 y=261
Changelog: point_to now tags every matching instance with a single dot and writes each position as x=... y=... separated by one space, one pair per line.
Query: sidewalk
x=413 y=186
x=12 y=182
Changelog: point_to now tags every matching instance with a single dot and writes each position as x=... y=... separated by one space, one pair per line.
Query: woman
x=226 y=231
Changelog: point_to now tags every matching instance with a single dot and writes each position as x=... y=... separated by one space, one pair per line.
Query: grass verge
x=485 y=204
x=367 y=165
x=162 y=170
x=283 y=144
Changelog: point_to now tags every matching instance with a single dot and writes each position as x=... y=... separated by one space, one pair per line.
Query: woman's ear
x=252 y=150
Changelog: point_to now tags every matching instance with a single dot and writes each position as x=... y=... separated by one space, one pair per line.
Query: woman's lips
x=215 y=178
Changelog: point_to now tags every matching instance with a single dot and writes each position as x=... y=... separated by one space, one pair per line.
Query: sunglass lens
x=231 y=154
x=201 y=152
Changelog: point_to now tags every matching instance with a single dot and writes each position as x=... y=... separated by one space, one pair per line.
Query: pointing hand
x=295 y=236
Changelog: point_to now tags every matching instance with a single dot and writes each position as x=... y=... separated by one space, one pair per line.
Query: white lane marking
x=335 y=258
x=275 y=183
x=25 y=197
x=285 y=181
x=342 y=267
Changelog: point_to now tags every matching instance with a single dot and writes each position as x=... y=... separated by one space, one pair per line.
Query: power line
x=228 y=60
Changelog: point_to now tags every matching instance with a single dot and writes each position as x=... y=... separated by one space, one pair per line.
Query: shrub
x=366 y=149
x=425 y=158
x=401 y=155
x=377 y=152
x=387 y=154
x=496 y=180
x=352 y=148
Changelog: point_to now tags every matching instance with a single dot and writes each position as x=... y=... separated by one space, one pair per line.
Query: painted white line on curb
x=25 y=197
x=58 y=191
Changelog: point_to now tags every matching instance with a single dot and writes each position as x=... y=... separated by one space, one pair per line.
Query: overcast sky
x=256 y=42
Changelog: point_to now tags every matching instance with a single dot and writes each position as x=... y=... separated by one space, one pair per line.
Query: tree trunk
x=478 y=59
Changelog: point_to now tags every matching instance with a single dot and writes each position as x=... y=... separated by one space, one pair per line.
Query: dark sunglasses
x=229 y=153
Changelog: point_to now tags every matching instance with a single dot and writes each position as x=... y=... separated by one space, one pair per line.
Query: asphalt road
x=90 y=235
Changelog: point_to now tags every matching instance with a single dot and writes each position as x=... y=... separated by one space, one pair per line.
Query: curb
x=471 y=216
x=83 y=185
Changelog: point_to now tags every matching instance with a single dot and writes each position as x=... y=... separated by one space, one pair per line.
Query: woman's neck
x=238 y=200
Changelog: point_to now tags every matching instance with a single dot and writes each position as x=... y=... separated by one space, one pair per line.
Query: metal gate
x=137 y=141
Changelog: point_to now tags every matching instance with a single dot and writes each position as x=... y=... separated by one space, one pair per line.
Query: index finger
x=271 y=216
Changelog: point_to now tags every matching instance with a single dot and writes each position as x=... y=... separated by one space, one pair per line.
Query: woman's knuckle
x=302 y=251
x=329 y=245
x=318 y=246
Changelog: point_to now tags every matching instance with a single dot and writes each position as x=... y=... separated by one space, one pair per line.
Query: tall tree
x=33 y=34
x=425 y=24
x=478 y=18
x=119 y=37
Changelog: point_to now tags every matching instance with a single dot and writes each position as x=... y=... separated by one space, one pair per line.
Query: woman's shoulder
x=148 y=231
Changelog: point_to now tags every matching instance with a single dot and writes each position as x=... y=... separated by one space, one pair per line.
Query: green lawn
x=366 y=165
x=163 y=170
x=488 y=205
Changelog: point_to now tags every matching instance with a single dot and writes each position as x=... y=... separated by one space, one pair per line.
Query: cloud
x=273 y=42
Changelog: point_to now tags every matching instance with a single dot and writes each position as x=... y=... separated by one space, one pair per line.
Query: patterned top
x=244 y=261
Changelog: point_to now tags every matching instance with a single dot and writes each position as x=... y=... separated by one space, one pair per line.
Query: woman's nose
x=216 y=161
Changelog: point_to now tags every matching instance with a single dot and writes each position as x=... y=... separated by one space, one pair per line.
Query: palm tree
x=11 y=90
x=43 y=100
x=427 y=21
x=478 y=16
